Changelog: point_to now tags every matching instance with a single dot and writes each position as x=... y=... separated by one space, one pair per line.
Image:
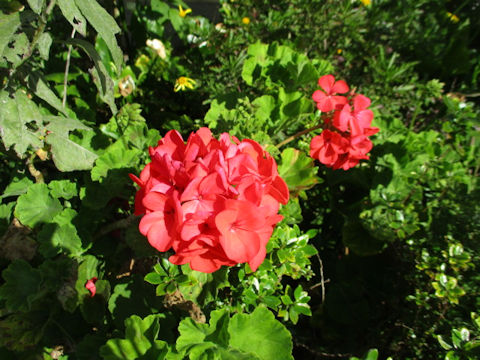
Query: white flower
x=158 y=46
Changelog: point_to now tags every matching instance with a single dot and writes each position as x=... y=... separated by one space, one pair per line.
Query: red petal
x=340 y=87
x=326 y=83
x=90 y=286
x=360 y=102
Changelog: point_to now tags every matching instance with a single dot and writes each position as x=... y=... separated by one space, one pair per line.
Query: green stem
x=297 y=135
x=33 y=171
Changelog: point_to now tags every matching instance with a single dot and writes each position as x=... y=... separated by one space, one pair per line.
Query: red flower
x=344 y=140
x=90 y=286
x=327 y=100
x=328 y=146
x=358 y=121
x=214 y=202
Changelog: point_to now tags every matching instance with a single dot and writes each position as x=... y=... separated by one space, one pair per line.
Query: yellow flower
x=184 y=82
x=366 y=2
x=454 y=18
x=246 y=20
x=142 y=61
x=158 y=46
x=339 y=51
x=182 y=12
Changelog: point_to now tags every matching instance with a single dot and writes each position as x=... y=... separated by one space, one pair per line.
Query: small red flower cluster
x=90 y=286
x=215 y=202
x=344 y=140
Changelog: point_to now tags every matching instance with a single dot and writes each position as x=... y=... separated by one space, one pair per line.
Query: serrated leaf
x=38 y=85
x=67 y=154
x=140 y=337
x=21 y=287
x=63 y=189
x=8 y=27
x=36 y=5
x=60 y=236
x=15 y=114
x=73 y=15
x=44 y=43
x=117 y=156
x=105 y=26
x=261 y=334
x=37 y=206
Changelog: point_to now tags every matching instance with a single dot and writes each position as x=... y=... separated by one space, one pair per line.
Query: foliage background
x=382 y=256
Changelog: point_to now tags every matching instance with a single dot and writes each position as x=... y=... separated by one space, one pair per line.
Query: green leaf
x=100 y=75
x=105 y=26
x=37 y=206
x=63 y=189
x=372 y=354
x=140 y=336
x=117 y=156
x=21 y=287
x=443 y=343
x=17 y=187
x=86 y=270
x=298 y=170
x=14 y=52
x=195 y=337
x=60 y=236
x=36 y=5
x=44 y=43
x=67 y=154
x=261 y=334
x=8 y=26
x=38 y=85
x=15 y=114
x=73 y=15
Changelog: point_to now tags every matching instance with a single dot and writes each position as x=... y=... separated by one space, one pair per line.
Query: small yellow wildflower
x=182 y=12
x=142 y=61
x=246 y=20
x=454 y=18
x=366 y=2
x=339 y=51
x=158 y=46
x=184 y=82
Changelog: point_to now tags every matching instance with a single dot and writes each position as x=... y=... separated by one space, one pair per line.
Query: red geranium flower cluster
x=215 y=202
x=344 y=140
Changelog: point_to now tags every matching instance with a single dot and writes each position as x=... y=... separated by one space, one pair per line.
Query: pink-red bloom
x=90 y=286
x=213 y=202
x=347 y=125
x=328 y=100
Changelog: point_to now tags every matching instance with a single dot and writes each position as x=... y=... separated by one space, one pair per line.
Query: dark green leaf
x=105 y=26
x=21 y=287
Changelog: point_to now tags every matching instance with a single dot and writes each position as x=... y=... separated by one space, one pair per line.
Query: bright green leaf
x=73 y=15
x=261 y=334
x=8 y=27
x=67 y=154
x=37 y=206
x=36 y=5
x=15 y=114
